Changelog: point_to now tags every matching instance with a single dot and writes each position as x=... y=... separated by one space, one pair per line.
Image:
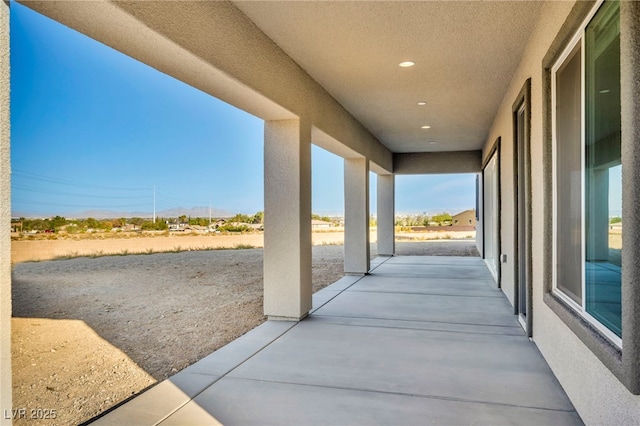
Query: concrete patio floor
x=421 y=340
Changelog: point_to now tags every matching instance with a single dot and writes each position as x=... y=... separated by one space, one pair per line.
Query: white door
x=491 y=216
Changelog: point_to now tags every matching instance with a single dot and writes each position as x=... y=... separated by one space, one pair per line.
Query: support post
x=356 y=206
x=287 y=219
x=5 y=219
x=386 y=215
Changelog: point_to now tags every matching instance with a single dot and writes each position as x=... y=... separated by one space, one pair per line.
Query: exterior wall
x=5 y=218
x=421 y=163
x=597 y=394
x=467 y=217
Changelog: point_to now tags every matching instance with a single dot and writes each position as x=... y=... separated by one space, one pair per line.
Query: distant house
x=199 y=228
x=217 y=223
x=174 y=226
x=320 y=224
x=466 y=218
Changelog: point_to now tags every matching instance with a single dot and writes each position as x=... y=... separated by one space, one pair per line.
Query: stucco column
x=5 y=219
x=287 y=219
x=630 y=83
x=356 y=216
x=386 y=215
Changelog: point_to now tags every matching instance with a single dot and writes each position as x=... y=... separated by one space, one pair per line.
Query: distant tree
x=182 y=219
x=258 y=218
x=230 y=227
x=442 y=218
x=57 y=222
x=615 y=219
x=137 y=221
x=322 y=218
x=160 y=225
x=199 y=221
x=92 y=223
x=240 y=218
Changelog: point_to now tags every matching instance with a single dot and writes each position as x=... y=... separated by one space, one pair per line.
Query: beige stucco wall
x=419 y=163
x=5 y=219
x=287 y=228
x=386 y=207
x=597 y=394
x=356 y=216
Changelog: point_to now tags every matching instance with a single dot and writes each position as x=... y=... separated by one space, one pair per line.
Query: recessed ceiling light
x=604 y=91
x=406 y=64
x=432 y=142
x=426 y=127
x=422 y=103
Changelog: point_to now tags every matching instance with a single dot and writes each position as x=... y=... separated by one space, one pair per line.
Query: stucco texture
x=5 y=218
x=599 y=397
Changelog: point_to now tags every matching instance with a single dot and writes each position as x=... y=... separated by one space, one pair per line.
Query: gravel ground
x=89 y=333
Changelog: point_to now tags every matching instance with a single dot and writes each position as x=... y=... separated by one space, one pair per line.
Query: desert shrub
x=243 y=247
x=231 y=227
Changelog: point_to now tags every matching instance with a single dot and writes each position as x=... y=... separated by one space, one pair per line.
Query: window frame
x=624 y=365
x=578 y=39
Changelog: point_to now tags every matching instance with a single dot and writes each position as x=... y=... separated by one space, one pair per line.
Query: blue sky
x=93 y=129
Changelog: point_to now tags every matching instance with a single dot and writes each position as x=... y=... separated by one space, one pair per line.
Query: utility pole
x=209 y=212
x=154 y=204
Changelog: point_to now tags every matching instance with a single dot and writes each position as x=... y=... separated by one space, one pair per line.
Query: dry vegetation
x=64 y=246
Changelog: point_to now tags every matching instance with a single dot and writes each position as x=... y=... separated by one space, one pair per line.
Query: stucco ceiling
x=465 y=55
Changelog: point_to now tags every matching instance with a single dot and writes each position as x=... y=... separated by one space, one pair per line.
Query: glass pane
x=522 y=212
x=569 y=177
x=603 y=172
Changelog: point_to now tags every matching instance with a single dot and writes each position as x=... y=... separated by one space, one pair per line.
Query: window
x=587 y=172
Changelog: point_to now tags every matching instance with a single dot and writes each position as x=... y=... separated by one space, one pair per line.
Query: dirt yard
x=89 y=333
x=58 y=246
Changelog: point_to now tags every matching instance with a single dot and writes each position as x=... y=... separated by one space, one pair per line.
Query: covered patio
x=419 y=340
x=407 y=88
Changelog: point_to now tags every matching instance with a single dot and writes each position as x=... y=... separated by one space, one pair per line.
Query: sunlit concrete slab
x=392 y=348
x=191 y=414
x=159 y=402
